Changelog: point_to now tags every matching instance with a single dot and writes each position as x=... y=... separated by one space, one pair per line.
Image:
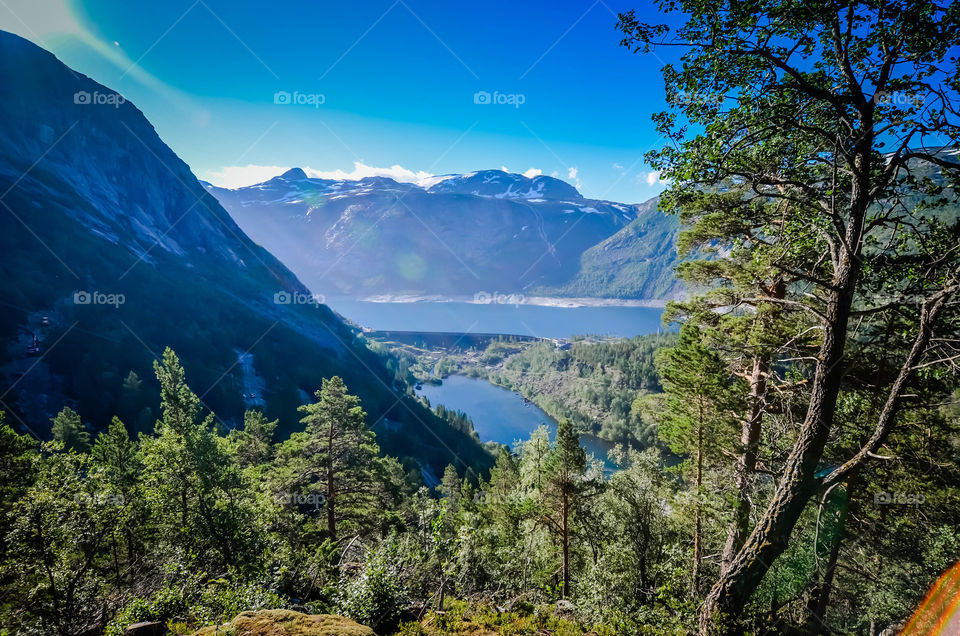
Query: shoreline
x=518 y=299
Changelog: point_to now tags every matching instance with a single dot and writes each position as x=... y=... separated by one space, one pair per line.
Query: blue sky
x=373 y=87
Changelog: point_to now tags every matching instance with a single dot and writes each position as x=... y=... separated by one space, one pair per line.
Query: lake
x=499 y=415
x=525 y=320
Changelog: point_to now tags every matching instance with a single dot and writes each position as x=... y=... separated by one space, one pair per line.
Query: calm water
x=498 y=414
x=525 y=320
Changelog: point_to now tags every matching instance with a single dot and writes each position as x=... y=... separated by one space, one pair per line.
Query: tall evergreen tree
x=340 y=450
x=68 y=429
x=565 y=467
x=192 y=479
x=696 y=420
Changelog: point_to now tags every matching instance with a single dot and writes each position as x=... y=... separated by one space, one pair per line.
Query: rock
x=289 y=623
x=146 y=628
x=564 y=609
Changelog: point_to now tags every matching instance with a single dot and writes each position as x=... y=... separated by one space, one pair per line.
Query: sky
x=243 y=89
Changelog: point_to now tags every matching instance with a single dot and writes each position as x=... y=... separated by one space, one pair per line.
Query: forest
x=604 y=388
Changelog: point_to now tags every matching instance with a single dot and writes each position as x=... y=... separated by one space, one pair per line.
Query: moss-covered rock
x=287 y=623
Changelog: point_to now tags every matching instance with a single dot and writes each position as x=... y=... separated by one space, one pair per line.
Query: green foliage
x=376 y=598
x=68 y=429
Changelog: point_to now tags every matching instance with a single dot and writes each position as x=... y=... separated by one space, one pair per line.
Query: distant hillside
x=636 y=262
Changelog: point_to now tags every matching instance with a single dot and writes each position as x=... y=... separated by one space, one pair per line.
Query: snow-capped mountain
x=482 y=231
x=498 y=184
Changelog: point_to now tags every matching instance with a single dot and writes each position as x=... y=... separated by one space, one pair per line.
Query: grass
x=286 y=623
x=461 y=618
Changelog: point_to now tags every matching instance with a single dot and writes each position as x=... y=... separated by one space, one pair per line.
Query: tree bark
x=331 y=493
x=746 y=462
x=725 y=602
x=821 y=596
x=565 y=539
x=698 y=515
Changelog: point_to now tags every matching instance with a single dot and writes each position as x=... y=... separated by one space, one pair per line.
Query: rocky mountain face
x=111 y=250
x=462 y=234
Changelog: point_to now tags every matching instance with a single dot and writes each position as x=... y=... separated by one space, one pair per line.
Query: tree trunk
x=565 y=540
x=730 y=593
x=331 y=493
x=746 y=462
x=750 y=443
x=698 y=514
x=821 y=596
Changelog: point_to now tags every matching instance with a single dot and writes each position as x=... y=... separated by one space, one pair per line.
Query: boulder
x=146 y=628
x=289 y=623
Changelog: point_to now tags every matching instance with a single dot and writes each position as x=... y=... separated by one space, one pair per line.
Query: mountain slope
x=484 y=231
x=111 y=250
x=636 y=262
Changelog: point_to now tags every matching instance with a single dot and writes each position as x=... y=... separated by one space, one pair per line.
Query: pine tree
x=564 y=472
x=191 y=476
x=68 y=429
x=255 y=441
x=341 y=450
x=116 y=466
x=696 y=417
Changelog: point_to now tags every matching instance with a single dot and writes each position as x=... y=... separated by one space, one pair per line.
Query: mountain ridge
x=456 y=235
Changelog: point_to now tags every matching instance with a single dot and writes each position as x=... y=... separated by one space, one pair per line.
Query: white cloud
x=504 y=168
x=572 y=176
x=652 y=178
x=533 y=172
x=617 y=166
x=361 y=171
x=239 y=176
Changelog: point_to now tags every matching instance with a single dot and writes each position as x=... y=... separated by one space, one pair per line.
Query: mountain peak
x=507 y=185
x=294 y=174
